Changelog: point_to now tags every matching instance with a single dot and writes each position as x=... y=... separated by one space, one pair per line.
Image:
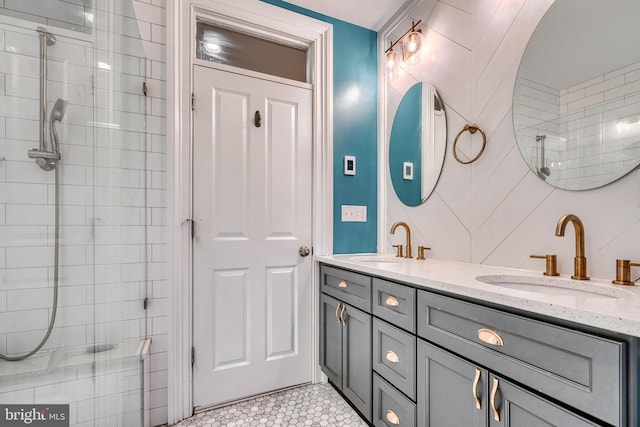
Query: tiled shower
x=111 y=184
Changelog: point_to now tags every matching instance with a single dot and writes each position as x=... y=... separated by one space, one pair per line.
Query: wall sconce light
x=392 y=64
x=411 y=42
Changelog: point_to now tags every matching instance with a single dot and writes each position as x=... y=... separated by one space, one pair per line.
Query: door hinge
x=193 y=101
x=145 y=303
x=191 y=226
x=145 y=88
x=193 y=356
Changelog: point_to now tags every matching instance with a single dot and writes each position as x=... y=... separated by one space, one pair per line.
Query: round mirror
x=576 y=103
x=418 y=144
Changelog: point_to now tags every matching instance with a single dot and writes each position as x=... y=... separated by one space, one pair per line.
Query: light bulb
x=412 y=45
x=411 y=48
x=392 y=59
x=392 y=65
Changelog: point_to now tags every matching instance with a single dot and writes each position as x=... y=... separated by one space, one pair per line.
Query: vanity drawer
x=582 y=370
x=394 y=356
x=395 y=303
x=390 y=407
x=347 y=286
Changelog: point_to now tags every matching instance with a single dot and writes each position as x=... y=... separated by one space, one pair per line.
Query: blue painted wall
x=406 y=146
x=355 y=129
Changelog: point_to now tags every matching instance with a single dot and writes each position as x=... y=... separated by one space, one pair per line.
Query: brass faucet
x=408 y=230
x=580 y=261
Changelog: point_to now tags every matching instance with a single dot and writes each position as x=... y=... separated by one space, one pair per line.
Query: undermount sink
x=555 y=287
x=388 y=259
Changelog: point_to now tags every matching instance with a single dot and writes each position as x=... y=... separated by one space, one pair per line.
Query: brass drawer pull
x=392 y=417
x=474 y=389
x=392 y=301
x=342 y=284
x=391 y=356
x=494 y=391
x=490 y=337
x=344 y=322
x=337 y=310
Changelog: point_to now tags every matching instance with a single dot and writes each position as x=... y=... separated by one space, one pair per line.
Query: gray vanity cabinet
x=432 y=360
x=516 y=407
x=455 y=392
x=581 y=370
x=451 y=391
x=345 y=351
x=331 y=339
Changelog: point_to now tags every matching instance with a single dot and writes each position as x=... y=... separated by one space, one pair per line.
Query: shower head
x=57 y=113
x=543 y=173
x=58 y=110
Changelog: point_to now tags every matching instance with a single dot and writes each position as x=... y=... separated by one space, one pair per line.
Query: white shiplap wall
x=496 y=211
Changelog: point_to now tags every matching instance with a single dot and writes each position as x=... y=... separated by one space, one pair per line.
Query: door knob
x=304 y=251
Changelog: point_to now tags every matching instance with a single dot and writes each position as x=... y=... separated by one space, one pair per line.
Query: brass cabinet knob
x=421 y=250
x=399 y=253
x=392 y=301
x=392 y=356
x=623 y=272
x=392 y=417
x=490 y=337
x=552 y=264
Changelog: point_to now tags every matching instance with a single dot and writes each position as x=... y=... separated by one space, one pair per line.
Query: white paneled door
x=252 y=213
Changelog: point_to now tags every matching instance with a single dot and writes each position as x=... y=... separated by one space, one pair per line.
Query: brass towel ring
x=472 y=128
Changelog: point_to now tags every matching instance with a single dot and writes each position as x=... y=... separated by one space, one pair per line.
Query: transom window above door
x=241 y=50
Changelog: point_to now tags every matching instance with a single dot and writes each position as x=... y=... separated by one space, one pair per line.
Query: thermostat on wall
x=349 y=165
x=407 y=171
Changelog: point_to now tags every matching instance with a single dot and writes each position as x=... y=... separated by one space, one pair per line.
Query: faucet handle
x=552 y=264
x=421 y=250
x=398 y=251
x=623 y=272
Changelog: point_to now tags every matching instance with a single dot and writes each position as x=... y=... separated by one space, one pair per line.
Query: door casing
x=262 y=20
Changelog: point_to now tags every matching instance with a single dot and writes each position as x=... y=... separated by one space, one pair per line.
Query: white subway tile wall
x=584 y=144
x=113 y=206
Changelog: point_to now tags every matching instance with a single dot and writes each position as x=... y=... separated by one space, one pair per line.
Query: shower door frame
x=274 y=23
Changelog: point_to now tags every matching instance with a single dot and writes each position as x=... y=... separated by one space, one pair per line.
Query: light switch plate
x=354 y=213
x=349 y=165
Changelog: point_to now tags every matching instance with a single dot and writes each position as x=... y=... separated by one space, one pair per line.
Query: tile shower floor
x=312 y=405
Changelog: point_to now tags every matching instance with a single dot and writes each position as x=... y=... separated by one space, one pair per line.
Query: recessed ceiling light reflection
x=212 y=47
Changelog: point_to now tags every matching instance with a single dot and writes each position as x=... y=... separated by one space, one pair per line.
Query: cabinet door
x=451 y=391
x=331 y=339
x=356 y=362
x=511 y=406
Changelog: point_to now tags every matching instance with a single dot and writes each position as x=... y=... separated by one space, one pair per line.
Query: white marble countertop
x=617 y=309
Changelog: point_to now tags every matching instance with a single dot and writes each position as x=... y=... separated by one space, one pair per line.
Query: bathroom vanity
x=433 y=343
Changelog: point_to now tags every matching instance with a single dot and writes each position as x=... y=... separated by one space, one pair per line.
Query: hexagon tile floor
x=312 y=405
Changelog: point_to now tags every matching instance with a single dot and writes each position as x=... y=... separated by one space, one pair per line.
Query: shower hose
x=55 y=279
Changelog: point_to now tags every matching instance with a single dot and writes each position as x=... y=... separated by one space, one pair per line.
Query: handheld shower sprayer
x=57 y=113
x=48 y=156
x=543 y=171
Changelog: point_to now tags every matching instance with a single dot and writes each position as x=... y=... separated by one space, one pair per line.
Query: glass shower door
x=87 y=269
